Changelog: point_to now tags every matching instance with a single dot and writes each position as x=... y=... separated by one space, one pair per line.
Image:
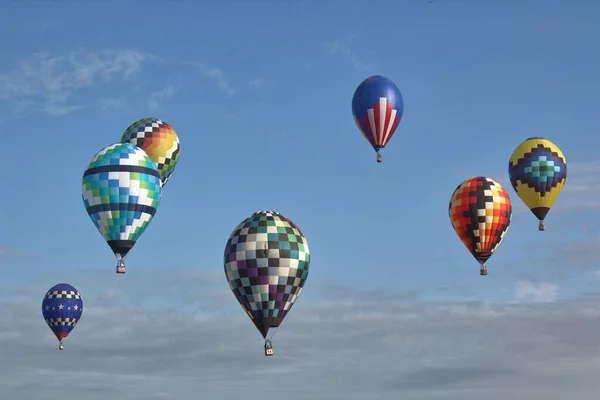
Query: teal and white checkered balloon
x=121 y=191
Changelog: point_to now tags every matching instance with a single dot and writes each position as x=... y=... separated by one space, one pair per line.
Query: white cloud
x=12 y=252
x=337 y=47
x=221 y=79
x=40 y=24
x=112 y=103
x=259 y=83
x=535 y=292
x=154 y=100
x=582 y=189
x=157 y=335
x=580 y=253
x=48 y=83
x=216 y=74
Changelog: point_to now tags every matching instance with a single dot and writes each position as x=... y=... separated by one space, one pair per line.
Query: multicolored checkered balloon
x=480 y=211
x=159 y=140
x=121 y=191
x=266 y=263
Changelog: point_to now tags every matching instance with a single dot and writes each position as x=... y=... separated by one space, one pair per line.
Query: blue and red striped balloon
x=377 y=107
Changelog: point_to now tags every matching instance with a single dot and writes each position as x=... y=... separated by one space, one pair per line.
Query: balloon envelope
x=62 y=308
x=538 y=173
x=121 y=192
x=377 y=107
x=159 y=140
x=480 y=212
x=266 y=263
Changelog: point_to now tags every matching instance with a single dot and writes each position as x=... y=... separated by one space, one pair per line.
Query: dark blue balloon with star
x=62 y=308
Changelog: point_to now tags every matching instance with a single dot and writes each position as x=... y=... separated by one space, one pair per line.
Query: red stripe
x=367 y=130
x=377 y=113
x=388 y=117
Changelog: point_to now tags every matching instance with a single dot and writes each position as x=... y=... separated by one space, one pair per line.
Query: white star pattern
x=75 y=307
x=60 y=306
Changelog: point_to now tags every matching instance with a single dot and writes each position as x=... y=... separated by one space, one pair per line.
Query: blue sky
x=259 y=93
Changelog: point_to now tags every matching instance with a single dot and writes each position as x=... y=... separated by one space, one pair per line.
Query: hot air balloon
x=62 y=307
x=159 y=140
x=538 y=173
x=266 y=264
x=121 y=191
x=377 y=107
x=480 y=211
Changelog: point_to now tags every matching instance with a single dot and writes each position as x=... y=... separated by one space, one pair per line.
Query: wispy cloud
x=581 y=253
x=217 y=75
x=155 y=98
x=342 y=49
x=49 y=83
x=12 y=252
x=542 y=292
x=221 y=79
x=112 y=103
x=582 y=190
x=41 y=24
x=259 y=83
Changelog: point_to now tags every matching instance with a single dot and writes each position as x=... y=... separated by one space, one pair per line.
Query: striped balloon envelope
x=377 y=107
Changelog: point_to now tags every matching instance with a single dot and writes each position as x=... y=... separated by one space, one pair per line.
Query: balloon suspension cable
x=379 y=159
x=61 y=346
x=274 y=330
x=541 y=226
x=121 y=267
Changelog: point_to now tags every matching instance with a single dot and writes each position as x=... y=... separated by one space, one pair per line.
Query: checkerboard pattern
x=121 y=191
x=52 y=322
x=266 y=263
x=480 y=211
x=63 y=294
x=159 y=140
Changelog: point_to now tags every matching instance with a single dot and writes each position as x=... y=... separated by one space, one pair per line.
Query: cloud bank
x=199 y=343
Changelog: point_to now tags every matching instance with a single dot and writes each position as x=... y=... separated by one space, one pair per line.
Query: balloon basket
x=121 y=269
x=483 y=272
x=379 y=159
x=541 y=227
x=268 y=348
x=61 y=346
